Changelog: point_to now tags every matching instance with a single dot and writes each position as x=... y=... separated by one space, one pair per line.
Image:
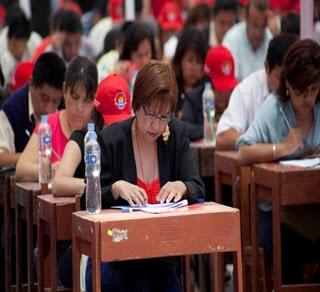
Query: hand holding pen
x=53 y=151
x=294 y=140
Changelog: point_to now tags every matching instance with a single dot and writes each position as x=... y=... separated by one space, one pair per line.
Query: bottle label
x=93 y=158
x=46 y=139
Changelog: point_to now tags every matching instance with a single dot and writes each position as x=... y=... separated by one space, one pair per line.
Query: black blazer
x=192 y=114
x=175 y=160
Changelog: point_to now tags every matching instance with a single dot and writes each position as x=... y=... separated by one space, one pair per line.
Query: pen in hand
x=285 y=118
x=53 y=151
x=56 y=154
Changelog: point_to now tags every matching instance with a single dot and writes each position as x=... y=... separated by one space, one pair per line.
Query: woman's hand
x=172 y=190
x=293 y=141
x=130 y=192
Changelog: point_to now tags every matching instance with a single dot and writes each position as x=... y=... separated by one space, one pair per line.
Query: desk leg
x=218 y=272
x=18 y=249
x=7 y=236
x=76 y=264
x=29 y=221
x=254 y=236
x=186 y=269
x=41 y=241
x=276 y=225
x=53 y=252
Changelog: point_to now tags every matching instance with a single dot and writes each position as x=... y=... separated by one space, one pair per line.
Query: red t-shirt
x=58 y=138
x=152 y=189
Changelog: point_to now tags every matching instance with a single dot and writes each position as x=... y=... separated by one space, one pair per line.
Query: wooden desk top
x=29 y=186
x=232 y=155
x=295 y=185
x=111 y=215
x=57 y=200
x=200 y=228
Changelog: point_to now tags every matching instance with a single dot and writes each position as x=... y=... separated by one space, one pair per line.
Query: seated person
x=23 y=108
x=112 y=104
x=146 y=159
x=286 y=127
x=220 y=68
x=248 y=96
x=79 y=89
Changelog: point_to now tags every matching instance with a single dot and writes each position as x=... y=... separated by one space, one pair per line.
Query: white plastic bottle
x=90 y=128
x=93 y=168
x=208 y=106
x=45 y=167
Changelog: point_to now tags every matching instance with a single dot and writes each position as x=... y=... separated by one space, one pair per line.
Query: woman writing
x=146 y=159
x=112 y=104
x=81 y=80
x=287 y=127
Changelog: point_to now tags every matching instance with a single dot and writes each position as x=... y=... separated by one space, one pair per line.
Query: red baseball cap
x=21 y=75
x=170 y=17
x=219 y=66
x=115 y=10
x=113 y=99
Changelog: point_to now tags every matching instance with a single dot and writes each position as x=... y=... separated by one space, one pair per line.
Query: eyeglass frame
x=153 y=117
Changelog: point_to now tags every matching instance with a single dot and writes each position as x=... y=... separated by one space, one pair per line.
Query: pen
x=56 y=154
x=27 y=132
x=285 y=118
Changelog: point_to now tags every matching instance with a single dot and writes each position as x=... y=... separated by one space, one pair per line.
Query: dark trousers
x=141 y=276
x=295 y=249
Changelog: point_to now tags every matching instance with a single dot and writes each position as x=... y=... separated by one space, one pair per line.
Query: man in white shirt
x=248 y=96
x=248 y=41
x=224 y=17
x=24 y=107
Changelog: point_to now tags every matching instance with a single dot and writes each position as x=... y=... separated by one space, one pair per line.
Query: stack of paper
x=309 y=162
x=154 y=208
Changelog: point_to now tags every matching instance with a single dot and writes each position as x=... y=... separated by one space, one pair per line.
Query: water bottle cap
x=207 y=85
x=44 y=118
x=90 y=127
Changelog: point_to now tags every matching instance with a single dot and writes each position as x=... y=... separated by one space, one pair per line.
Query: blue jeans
x=140 y=275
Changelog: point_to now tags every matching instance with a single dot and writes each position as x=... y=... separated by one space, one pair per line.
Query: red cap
x=170 y=17
x=219 y=66
x=115 y=10
x=21 y=75
x=113 y=99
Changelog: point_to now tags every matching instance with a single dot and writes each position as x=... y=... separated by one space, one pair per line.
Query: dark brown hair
x=155 y=82
x=301 y=67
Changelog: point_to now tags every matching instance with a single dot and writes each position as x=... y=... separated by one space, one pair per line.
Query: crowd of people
x=141 y=83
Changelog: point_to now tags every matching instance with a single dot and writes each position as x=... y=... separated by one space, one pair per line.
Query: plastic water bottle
x=93 y=168
x=90 y=128
x=45 y=170
x=208 y=106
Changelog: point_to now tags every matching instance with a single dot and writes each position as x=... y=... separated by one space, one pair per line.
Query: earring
x=166 y=134
x=287 y=92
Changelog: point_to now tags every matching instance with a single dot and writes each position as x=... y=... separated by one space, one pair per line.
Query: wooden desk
x=54 y=224
x=196 y=229
x=283 y=186
x=26 y=196
x=204 y=156
x=227 y=170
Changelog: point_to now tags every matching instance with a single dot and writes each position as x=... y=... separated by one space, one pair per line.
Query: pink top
x=59 y=139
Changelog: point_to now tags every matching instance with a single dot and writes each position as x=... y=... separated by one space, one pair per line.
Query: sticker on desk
x=118 y=235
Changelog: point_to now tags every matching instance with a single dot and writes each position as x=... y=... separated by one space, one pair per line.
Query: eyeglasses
x=153 y=117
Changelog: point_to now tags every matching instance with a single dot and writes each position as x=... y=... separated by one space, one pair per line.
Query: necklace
x=139 y=155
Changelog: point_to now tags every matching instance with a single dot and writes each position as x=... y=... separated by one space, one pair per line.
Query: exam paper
x=154 y=208
x=308 y=162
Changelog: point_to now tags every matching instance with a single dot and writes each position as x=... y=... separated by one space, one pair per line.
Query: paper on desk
x=154 y=208
x=308 y=162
